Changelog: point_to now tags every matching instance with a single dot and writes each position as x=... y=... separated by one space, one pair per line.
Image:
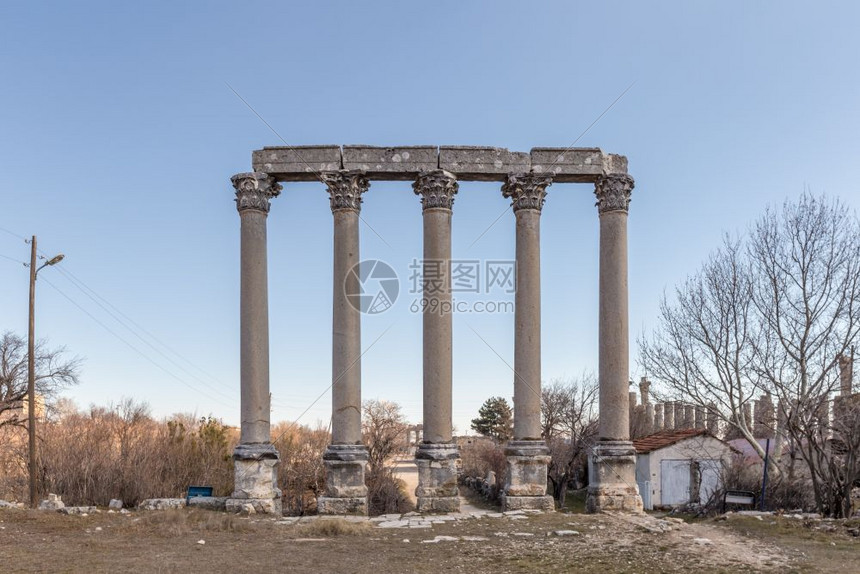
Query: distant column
x=437 y=455
x=613 y=468
x=255 y=457
x=527 y=454
x=658 y=417
x=346 y=456
x=669 y=416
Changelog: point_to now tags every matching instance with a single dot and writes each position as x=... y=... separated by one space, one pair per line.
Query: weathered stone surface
x=115 y=504
x=297 y=163
x=469 y=163
x=258 y=505
x=391 y=162
x=525 y=481
x=5 y=504
x=345 y=491
x=161 y=503
x=437 y=489
x=208 y=502
x=612 y=478
x=53 y=502
x=256 y=478
x=543 y=503
x=568 y=165
x=342 y=506
x=483 y=163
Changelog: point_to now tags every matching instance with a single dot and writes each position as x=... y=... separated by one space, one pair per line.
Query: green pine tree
x=495 y=419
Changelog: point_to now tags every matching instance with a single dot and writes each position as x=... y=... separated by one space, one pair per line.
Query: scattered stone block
x=161 y=503
x=115 y=504
x=53 y=503
x=566 y=532
x=218 y=503
x=393 y=524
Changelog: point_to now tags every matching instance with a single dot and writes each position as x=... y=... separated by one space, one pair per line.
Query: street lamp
x=31 y=366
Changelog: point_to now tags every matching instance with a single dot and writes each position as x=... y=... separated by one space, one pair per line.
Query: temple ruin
x=436 y=173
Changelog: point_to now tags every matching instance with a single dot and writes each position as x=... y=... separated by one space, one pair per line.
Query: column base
x=345 y=490
x=525 y=483
x=255 y=479
x=437 y=477
x=612 y=478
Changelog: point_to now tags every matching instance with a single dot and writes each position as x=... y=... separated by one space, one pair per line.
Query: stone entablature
x=468 y=163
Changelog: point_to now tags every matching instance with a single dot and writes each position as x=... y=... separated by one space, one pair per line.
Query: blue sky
x=120 y=134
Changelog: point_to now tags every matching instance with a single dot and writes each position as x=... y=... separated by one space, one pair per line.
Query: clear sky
x=119 y=133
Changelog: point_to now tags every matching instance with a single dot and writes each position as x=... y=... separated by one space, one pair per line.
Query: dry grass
x=331 y=527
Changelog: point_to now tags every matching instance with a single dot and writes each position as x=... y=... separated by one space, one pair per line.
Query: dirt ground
x=170 y=541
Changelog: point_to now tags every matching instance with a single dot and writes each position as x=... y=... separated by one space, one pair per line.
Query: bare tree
x=383 y=430
x=53 y=373
x=771 y=312
x=569 y=419
x=805 y=261
x=705 y=345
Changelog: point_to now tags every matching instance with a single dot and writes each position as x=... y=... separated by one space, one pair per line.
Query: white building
x=676 y=467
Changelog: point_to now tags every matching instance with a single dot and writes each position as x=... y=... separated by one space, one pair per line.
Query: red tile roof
x=665 y=438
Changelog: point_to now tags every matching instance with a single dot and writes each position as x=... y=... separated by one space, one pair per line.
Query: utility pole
x=31 y=375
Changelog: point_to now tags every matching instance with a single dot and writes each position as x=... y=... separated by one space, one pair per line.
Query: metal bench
x=738 y=497
x=195 y=491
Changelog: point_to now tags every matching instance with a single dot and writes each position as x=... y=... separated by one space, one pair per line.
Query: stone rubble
x=115 y=504
x=53 y=502
x=161 y=503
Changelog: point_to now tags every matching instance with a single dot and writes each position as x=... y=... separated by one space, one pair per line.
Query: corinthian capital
x=613 y=192
x=526 y=191
x=254 y=190
x=436 y=188
x=345 y=188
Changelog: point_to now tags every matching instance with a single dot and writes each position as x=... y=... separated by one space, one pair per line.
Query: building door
x=674 y=482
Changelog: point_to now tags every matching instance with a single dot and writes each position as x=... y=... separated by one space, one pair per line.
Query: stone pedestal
x=612 y=478
x=256 y=479
x=525 y=484
x=345 y=491
x=437 y=478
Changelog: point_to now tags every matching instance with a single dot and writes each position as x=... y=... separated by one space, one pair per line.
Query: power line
x=132 y=347
x=95 y=298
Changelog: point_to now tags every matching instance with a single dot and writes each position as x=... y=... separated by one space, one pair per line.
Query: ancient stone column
x=689 y=416
x=645 y=391
x=527 y=454
x=346 y=457
x=256 y=459
x=712 y=421
x=437 y=455
x=680 y=415
x=669 y=416
x=658 y=417
x=613 y=461
x=699 y=422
